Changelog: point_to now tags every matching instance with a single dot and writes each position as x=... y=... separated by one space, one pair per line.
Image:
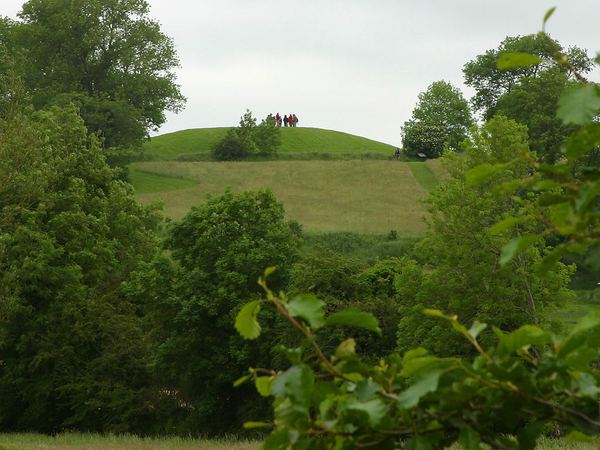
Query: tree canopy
x=527 y=94
x=441 y=118
x=108 y=57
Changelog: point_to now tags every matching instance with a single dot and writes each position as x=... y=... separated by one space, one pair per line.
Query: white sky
x=348 y=65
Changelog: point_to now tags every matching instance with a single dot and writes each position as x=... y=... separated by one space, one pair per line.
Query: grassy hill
x=295 y=141
x=363 y=196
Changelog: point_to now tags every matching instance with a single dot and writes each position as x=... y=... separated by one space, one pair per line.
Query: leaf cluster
x=503 y=397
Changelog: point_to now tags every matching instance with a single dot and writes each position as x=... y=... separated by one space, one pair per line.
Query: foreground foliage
x=510 y=392
x=504 y=397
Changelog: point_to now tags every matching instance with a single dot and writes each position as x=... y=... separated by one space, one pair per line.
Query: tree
x=459 y=271
x=491 y=82
x=248 y=139
x=105 y=56
x=527 y=94
x=441 y=118
x=219 y=250
x=74 y=354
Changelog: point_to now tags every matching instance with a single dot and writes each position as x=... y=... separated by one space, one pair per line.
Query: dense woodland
x=113 y=319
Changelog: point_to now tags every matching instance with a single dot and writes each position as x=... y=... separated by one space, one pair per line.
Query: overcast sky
x=347 y=65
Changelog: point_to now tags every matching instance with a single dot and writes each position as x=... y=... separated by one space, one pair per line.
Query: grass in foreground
x=360 y=196
x=78 y=441
x=200 y=141
x=84 y=441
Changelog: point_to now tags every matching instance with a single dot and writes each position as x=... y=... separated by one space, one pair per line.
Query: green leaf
x=366 y=390
x=482 y=173
x=278 y=440
x=418 y=360
x=528 y=436
x=509 y=60
x=579 y=104
x=515 y=247
x=352 y=318
x=549 y=198
x=523 y=338
x=269 y=271
x=420 y=442
x=375 y=409
x=253 y=425
x=507 y=223
x=548 y=15
x=309 y=308
x=246 y=323
x=241 y=380
x=588 y=194
x=423 y=386
x=477 y=328
x=263 y=385
x=469 y=439
x=297 y=383
x=346 y=349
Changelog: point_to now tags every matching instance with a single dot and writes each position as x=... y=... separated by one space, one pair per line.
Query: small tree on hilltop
x=248 y=139
x=441 y=118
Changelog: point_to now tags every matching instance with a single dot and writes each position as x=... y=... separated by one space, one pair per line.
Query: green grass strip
x=423 y=175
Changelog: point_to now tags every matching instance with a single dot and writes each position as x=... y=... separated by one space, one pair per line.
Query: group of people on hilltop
x=287 y=121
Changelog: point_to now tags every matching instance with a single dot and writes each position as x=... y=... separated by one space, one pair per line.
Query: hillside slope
x=293 y=140
x=362 y=196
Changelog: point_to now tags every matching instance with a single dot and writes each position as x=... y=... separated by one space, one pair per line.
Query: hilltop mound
x=199 y=141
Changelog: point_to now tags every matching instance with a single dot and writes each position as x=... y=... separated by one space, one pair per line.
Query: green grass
x=360 y=196
x=423 y=175
x=152 y=182
x=197 y=143
x=435 y=165
x=82 y=441
x=87 y=441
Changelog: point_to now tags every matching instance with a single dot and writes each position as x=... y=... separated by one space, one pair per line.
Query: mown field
x=77 y=441
x=309 y=142
x=363 y=196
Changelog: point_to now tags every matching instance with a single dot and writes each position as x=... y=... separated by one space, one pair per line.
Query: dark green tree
x=219 y=249
x=108 y=57
x=74 y=354
x=441 y=118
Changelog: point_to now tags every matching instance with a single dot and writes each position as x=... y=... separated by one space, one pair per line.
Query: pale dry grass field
x=363 y=196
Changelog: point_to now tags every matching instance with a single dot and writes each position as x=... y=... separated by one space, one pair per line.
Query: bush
x=248 y=139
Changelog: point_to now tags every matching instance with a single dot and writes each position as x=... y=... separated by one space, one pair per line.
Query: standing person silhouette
x=285 y=120
x=278 y=120
x=294 y=119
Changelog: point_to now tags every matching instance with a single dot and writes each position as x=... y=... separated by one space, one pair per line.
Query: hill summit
x=199 y=142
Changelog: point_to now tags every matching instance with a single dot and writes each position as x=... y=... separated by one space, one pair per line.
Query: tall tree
x=441 y=118
x=460 y=272
x=529 y=94
x=74 y=354
x=106 y=56
x=219 y=249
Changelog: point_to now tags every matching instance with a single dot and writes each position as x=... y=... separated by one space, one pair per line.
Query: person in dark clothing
x=397 y=153
x=278 y=120
x=285 y=120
